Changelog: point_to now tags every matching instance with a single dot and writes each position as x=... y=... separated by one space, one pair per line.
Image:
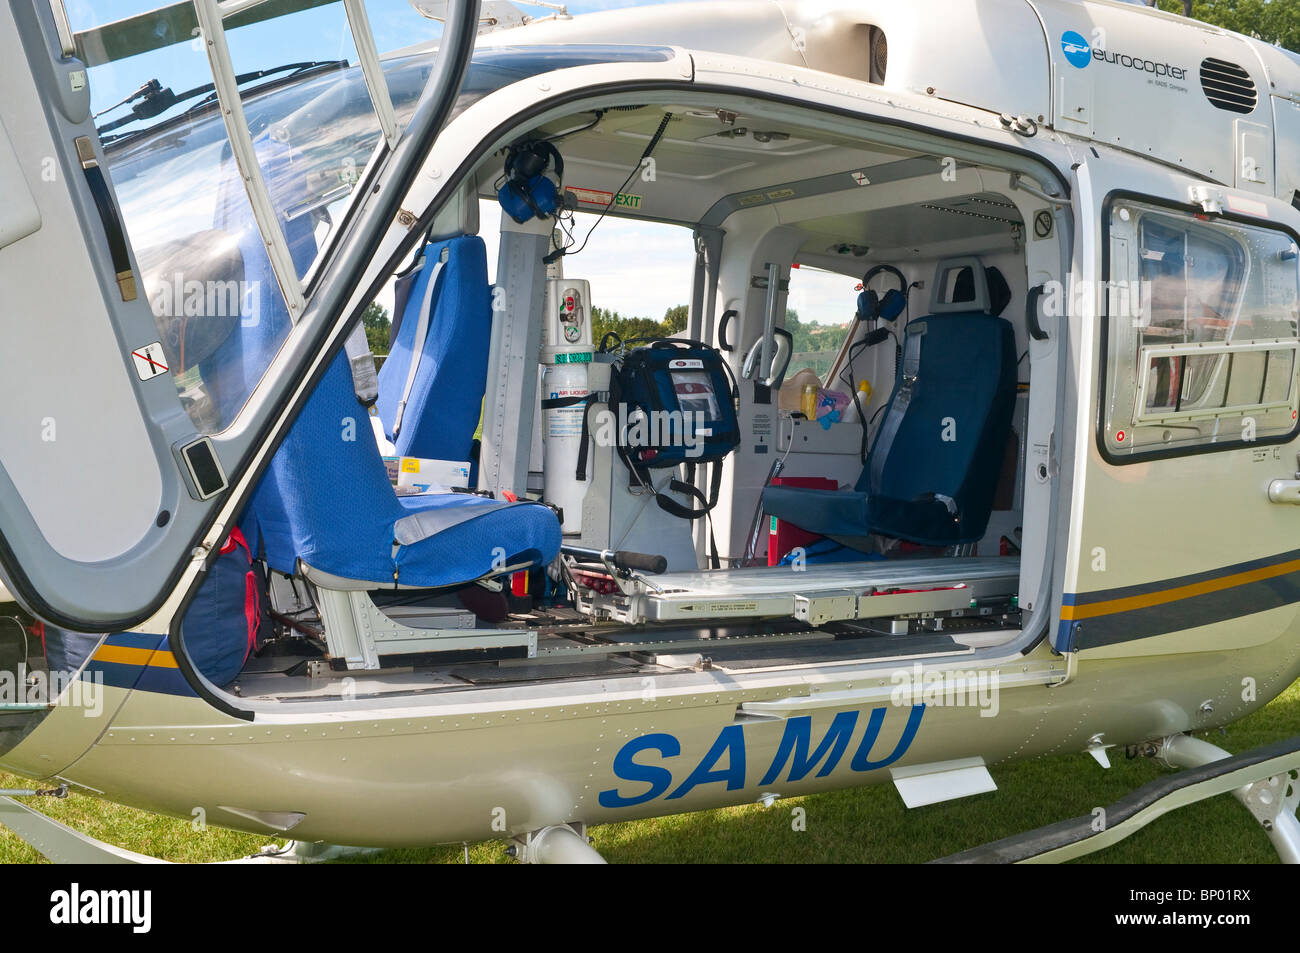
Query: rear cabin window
x=1201 y=334
x=819 y=312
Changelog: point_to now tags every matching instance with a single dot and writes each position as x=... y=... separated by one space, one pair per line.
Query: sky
x=637 y=269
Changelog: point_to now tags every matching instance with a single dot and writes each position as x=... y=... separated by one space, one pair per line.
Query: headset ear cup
x=524 y=192
x=891 y=305
x=872 y=303
x=557 y=160
x=543 y=196
x=528 y=191
x=529 y=161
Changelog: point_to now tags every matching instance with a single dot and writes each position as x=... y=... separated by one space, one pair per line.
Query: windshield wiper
x=155 y=99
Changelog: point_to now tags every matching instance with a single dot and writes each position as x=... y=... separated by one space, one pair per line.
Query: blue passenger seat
x=431 y=384
x=326 y=508
x=933 y=470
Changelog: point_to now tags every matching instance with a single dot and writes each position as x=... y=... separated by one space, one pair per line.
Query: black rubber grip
x=723 y=343
x=109 y=218
x=1031 y=313
x=622 y=559
x=645 y=562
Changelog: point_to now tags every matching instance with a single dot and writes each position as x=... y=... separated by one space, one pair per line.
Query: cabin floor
x=975 y=599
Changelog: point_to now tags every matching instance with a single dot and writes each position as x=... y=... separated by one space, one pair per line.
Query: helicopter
x=518 y=580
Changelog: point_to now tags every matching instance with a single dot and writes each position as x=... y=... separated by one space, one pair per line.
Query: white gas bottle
x=565 y=355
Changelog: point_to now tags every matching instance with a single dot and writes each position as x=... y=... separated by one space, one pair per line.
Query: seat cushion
x=825 y=512
x=326 y=500
x=500 y=535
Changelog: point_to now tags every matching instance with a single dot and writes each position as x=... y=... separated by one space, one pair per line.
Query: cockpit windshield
x=206 y=270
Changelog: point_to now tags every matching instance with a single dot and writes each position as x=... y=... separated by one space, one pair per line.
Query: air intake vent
x=879 y=55
x=1228 y=86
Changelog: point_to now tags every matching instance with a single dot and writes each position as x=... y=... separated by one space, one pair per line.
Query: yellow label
x=410 y=464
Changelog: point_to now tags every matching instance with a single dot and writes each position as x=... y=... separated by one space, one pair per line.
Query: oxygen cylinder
x=565 y=356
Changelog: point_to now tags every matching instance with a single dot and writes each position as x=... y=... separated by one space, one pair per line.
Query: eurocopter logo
x=1076 y=49
x=1079 y=53
x=75 y=906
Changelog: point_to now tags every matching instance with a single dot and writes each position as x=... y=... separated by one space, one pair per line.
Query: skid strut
x=1261 y=779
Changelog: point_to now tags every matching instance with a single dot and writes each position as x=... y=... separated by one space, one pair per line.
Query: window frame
x=1103 y=359
x=829 y=379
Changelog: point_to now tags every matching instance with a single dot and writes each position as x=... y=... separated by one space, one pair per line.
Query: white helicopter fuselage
x=1158 y=583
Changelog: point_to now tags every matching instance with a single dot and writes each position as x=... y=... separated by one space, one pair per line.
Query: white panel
x=933 y=783
x=18 y=214
x=989 y=54
x=1074 y=108
x=1286 y=117
x=1254 y=156
x=1144 y=72
x=94 y=489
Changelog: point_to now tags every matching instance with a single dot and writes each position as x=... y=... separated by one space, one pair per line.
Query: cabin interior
x=906 y=517
x=811 y=569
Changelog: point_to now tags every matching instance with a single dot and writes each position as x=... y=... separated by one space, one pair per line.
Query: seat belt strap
x=423 y=524
x=365 y=379
x=421 y=335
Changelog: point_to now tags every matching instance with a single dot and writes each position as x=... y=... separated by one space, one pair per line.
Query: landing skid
x=60 y=844
x=1262 y=779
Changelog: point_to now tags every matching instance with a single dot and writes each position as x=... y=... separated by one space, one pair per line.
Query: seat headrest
x=964 y=284
x=999 y=291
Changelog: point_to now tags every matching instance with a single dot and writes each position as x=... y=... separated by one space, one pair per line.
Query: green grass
x=867 y=825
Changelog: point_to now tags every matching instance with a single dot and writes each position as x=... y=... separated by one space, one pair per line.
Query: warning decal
x=149 y=360
x=601 y=199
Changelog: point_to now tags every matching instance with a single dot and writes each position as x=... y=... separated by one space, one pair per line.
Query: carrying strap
x=669 y=505
x=555 y=403
x=686 y=488
x=601 y=397
x=421 y=335
x=233 y=541
x=252 y=601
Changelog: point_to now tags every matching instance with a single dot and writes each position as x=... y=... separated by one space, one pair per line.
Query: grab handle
x=723 y=343
x=1031 y=313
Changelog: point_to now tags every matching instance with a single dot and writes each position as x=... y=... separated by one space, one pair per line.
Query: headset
x=872 y=306
x=528 y=191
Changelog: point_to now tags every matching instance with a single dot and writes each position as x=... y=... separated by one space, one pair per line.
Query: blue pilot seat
x=932 y=472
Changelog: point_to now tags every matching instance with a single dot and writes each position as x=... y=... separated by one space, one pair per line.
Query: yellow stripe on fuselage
x=1163 y=596
x=126 y=655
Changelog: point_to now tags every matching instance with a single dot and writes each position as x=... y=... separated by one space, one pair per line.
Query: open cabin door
x=117 y=446
x=1183 y=524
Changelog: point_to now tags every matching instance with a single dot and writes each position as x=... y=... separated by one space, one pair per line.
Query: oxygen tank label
x=565 y=421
